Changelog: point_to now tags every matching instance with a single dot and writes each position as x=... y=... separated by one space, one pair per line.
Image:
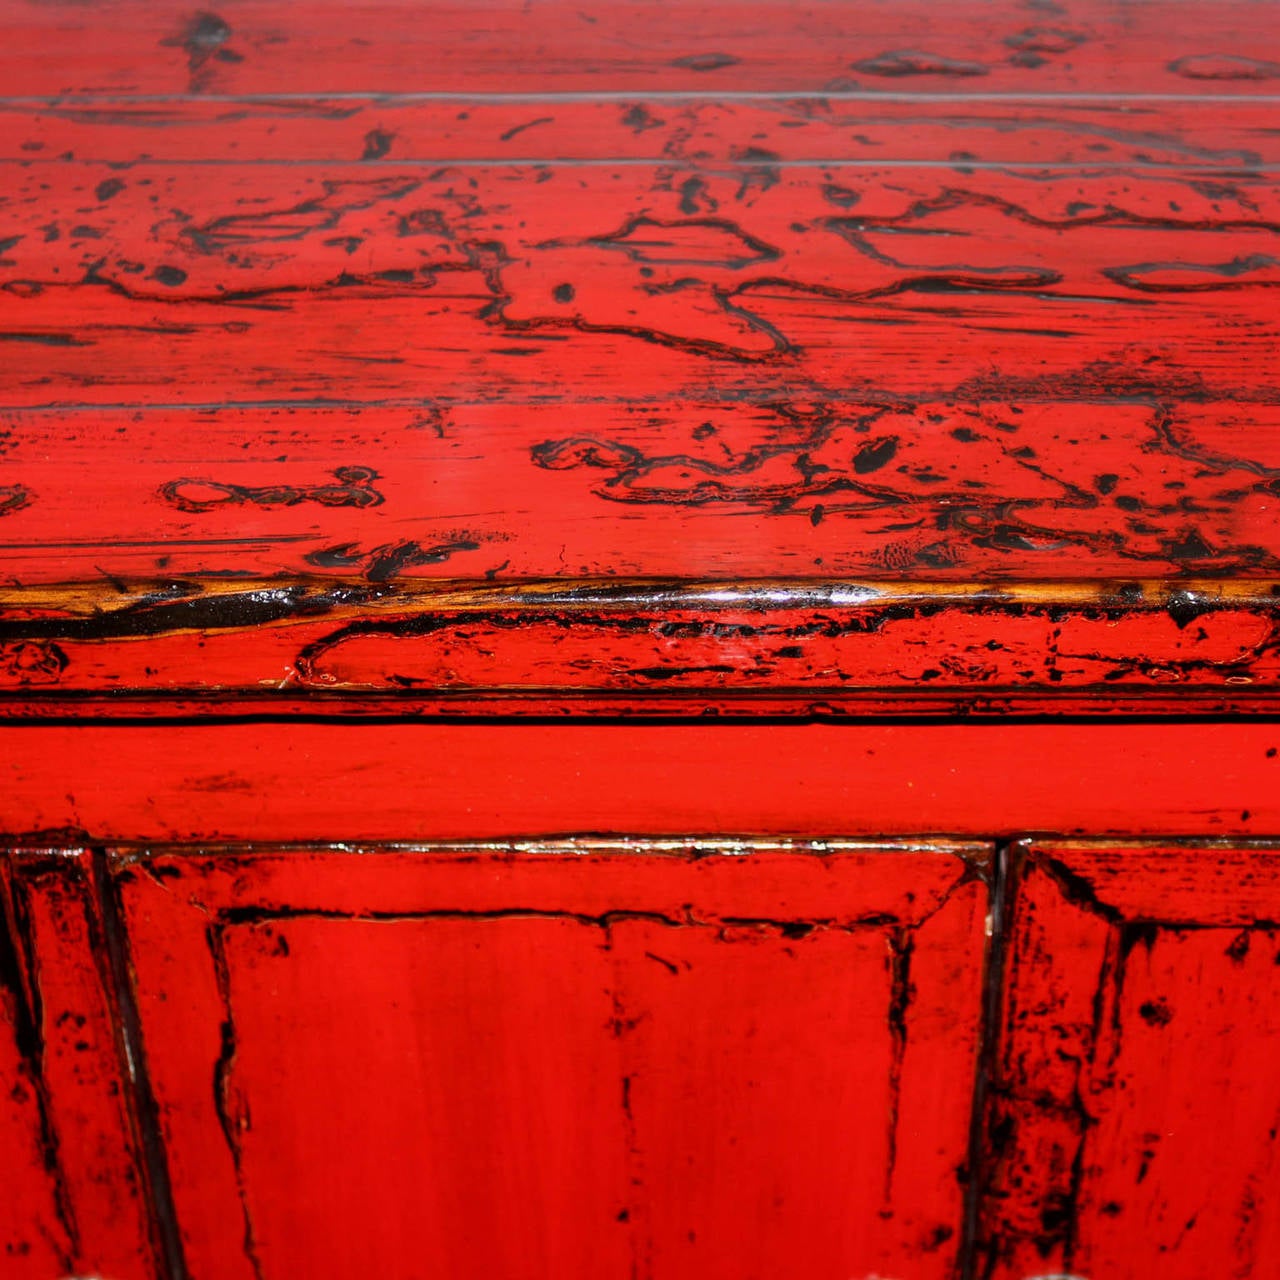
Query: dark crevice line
x=1002 y=885
x=251 y=916
x=229 y=1119
x=389 y=98
x=901 y=991
x=957 y=718
x=713 y=164
x=743 y=394
x=145 y=1110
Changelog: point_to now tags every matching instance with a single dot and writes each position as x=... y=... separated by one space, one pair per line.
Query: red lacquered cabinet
x=639 y=641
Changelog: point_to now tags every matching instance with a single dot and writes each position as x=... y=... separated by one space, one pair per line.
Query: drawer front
x=564 y=1061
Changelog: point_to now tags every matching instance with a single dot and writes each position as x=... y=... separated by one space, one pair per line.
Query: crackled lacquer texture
x=575 y=1060
x=950 y=298
x=382 y=385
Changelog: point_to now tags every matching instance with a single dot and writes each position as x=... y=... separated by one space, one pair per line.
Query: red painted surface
x=696 y=128
x=835 y=648
x=712 y=48
x=382 y=387
x=72 y=1195
x=900 y=297
x=1133 y=1098
x=932 y=491
x=604 y=1061
x=640 y=283
x=161 y=783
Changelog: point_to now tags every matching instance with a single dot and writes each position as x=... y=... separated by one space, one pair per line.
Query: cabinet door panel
x=1135 y=1102
x=582 y=1060
x=71 y=1191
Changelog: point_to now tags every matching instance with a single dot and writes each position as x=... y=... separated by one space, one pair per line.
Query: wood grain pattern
x=993 y=374
x=740 y=293
x=584 y=1060
x=933 y=491
x=626 y=283
x=72 y=1193
x=694 y=130
x=713 y=47
x=1132 y=1096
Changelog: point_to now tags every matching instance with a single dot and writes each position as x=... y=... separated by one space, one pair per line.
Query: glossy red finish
x=74 y=1195
x=712 y=48
x=160 y=783
x=629 y=286
x=498 y=499
x=588 y=1060
x=836 y=648
x=1133 y=1099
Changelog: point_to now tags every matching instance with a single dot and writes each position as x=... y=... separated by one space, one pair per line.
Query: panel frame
x=176 y=903
x=1053 y=1069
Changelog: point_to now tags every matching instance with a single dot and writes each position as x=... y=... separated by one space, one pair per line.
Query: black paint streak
x=230 y=1114
x=901 y=993
x=908 y=62
x=354 y=489
x=323 y=212
x=205 y=39
x=14 y=497
x=377 y=143
x=146 y=1111
x=380 y=564
x=705 y=61
x=518 y=129
x=874 y=455
x=251 y=915
x=45 y=339
x=1228 y=275
x=985 y=1122
x=1222 y=66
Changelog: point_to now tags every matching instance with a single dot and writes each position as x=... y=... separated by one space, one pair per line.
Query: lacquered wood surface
x=715 y=47
x=1132 y=1101
x=73 y=1196
x=907 y=293
x=588 y=1060
x=303 y=780
x=831 y=648
x=383 y=385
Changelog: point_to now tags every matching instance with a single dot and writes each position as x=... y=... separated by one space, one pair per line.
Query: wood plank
x=617 y=284
x=714 y=46
x=157 y=781
x=995 y=490
x=694 y=131
x=1131 y=1113
x=72 y=1191
x=571 y=1061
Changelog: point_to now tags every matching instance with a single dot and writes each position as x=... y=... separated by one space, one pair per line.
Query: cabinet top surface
x=969 y=302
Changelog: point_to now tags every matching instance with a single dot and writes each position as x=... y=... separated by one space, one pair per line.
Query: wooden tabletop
x=818 y=359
